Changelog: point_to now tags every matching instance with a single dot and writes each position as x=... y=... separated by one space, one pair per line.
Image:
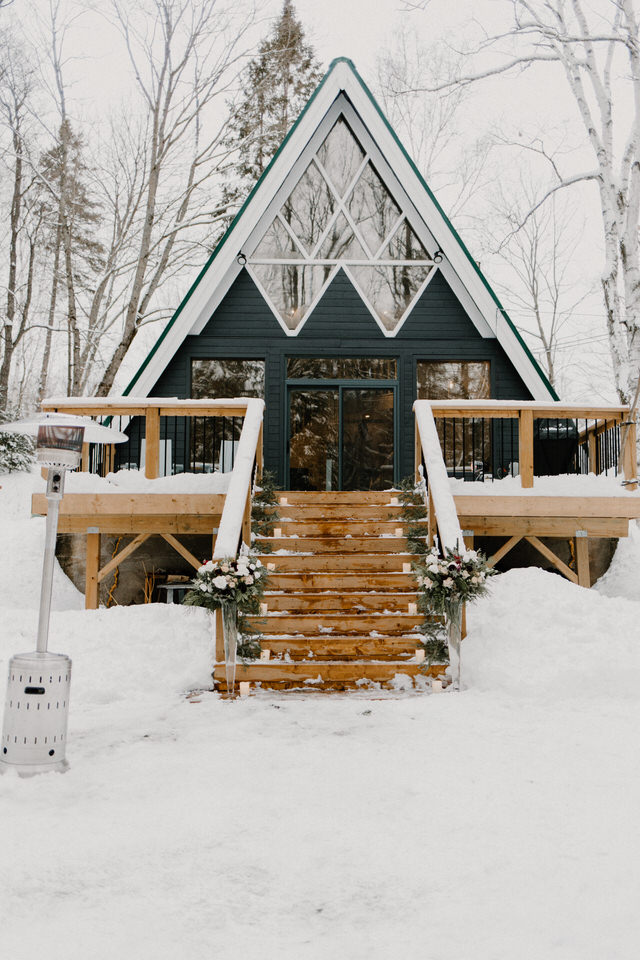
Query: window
x=453 y=380
x=466 y=443
x=227 y=378
x=341 y=368
x=340 y=213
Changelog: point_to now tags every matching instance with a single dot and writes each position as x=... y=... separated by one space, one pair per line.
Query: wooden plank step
x=337 y=544
x=335 y=496
x=340 y=648
x=309 y=624
x=275 y=671
x=351 y=603
x=340 y=528
x=337 y=563
x=307 y=582
x=333 y=511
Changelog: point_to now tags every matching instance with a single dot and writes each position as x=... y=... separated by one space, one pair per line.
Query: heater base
x=33 y=769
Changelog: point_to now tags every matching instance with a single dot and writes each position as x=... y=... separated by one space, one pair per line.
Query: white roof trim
x=401 y=179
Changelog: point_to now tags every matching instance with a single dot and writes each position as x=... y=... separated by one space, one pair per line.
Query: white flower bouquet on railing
x=445 y=584
x=239 y=580
x=236 y=585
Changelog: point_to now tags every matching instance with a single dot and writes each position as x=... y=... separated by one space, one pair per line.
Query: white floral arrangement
x=455 y=578
x=240 y=580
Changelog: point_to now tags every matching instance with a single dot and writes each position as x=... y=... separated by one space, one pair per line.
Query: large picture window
x=466 y=444
x=341 y=214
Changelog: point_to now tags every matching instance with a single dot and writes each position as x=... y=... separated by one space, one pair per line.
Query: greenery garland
x=264 y=512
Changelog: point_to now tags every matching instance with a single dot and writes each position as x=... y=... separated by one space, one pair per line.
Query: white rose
x=220 y=583
x=448 y=582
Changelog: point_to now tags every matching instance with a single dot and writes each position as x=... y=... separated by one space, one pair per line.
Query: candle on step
x=436 y=686
x=399 y=531
x=263 y=609
x=406 y=568
x=245 y=687
x=271 y=566
x=394 y=502
x=420 y=654
x=277 y=532
x=265 y=654
x=413 y=609
x=283 y=500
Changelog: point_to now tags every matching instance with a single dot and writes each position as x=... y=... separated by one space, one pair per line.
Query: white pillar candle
x=271 y=566
x=263 y=609
x=436 y=686
x=265 y=654
x=245 y=687
x=413 y=609
x=283 y=500
x=399 y=532
x=394 y=502
x=420 y=655
x=277 y=532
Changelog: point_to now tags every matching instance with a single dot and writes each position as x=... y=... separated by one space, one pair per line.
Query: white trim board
x=342 y=92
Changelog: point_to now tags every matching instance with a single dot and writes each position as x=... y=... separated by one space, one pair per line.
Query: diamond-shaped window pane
x=341 y=243
x=309 y=207
x=277 y=244
x=291 y=288
x=341 y=155
x=373 y=208
x=390 y=290
x=404 y=245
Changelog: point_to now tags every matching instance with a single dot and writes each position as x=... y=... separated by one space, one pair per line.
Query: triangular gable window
x=340 y=213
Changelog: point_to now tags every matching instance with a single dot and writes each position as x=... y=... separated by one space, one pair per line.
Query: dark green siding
x=244 y=326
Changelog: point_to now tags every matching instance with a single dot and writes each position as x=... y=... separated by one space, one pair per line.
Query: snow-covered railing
x=596 y=439
x=235 y=524
x=439 y=499
x=166 y=435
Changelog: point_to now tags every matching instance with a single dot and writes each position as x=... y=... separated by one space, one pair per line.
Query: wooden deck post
x=582 y=558
x=91 y=590
x=417 y=456
x=629 y=457
x=432 y=522
x=219 y=631
x=246 y=521
x=525 y=442
x=593 y=452
x=152 y=443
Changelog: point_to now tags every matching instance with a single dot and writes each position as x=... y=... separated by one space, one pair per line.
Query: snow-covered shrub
x=16 y=450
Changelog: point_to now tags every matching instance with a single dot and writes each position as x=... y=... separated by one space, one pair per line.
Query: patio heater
x=34 y=734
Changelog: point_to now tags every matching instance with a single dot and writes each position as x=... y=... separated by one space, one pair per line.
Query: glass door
x=313 y=439
x=341 y=437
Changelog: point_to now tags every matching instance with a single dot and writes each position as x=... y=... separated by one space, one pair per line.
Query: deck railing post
x=525 y=447
x=417 y=458
x=152 y=443
x=630 y=456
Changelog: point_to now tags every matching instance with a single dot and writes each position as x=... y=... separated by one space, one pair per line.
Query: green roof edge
x=455 y=233
x=229 y=231
x=422 y=181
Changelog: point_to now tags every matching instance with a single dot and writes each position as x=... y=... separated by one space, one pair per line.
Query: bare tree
x=16 y=85
x=183 y=53
x=597 y=51
x=432 y=125
x=536 y=252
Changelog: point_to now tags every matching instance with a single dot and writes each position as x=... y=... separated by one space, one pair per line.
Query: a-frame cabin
x=340 y=294
x=340 y=303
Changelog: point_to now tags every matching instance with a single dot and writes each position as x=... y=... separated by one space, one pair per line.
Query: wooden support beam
x=182 y=550
x=91 y=589
x=503 y=551
x=556 y=561
x=525 y=440
x=152 y=443
x=122 y=555
x=593 y=452
x=582 y=558
x=84 y=463
x=432 y=522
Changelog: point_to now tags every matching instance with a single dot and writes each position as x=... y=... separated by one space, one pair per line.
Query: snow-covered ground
x=497 y=823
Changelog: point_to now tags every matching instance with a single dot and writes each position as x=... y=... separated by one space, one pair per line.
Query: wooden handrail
x=439 y=492
x=527 y=411
x=235 y=522
x=152 y=409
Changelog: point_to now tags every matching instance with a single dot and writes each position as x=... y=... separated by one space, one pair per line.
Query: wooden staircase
x=341 y=604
